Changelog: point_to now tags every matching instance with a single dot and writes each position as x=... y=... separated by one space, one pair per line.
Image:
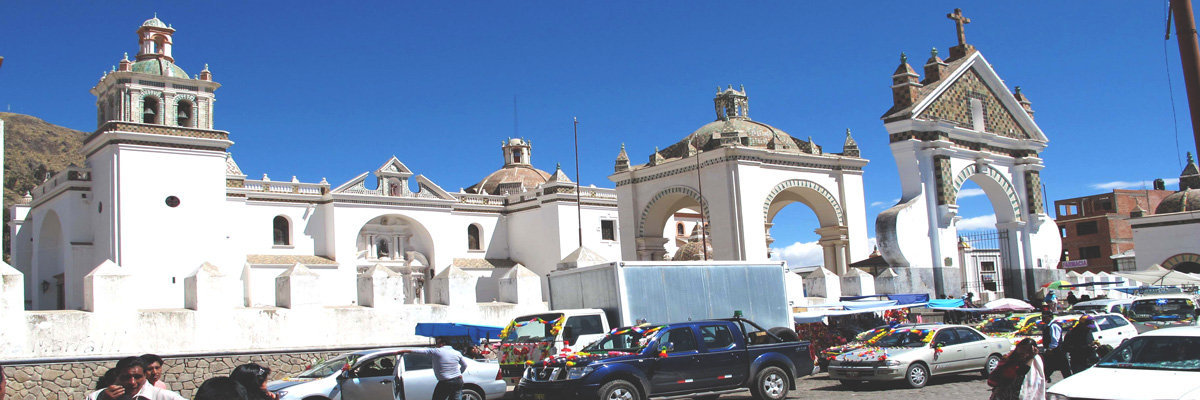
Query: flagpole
x=578 y=202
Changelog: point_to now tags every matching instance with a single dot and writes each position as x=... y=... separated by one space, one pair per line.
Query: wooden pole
x=1189 y=56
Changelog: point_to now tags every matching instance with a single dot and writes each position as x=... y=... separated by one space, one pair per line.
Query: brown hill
x=32 y=149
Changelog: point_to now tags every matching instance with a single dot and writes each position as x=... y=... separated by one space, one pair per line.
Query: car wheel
x=993 y=361
x=471 y=394
x=619 y=390
x=770 y=384
x=917 y=376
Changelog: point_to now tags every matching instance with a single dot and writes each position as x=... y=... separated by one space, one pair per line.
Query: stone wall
x=75 y=379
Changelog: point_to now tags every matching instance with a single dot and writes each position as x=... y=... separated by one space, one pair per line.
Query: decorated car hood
x=873 y=354
x=1114 y=383
x=523 y=353
x=581 y=359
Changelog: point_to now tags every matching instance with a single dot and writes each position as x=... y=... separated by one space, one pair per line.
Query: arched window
x=184 y=113
x=473 y=238
x=282 y=231
x=150 y=110
x=679 y=229
x=381 y=249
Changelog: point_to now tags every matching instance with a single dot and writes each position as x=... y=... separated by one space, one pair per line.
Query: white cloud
x=878 y=204
x=977 y=223
x=800 y=254
x=1130 y=185
x=972 y=192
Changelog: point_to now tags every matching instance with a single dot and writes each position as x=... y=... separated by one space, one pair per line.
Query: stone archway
x=401 y=244
x=1005 y=200
x=1187 y=263
x=651 y=240
x=835 y=242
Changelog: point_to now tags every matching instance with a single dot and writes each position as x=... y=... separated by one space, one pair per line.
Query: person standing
x=1051 y=300
x=1079 y=343
x=448 y=366
x=253 y=377
x=1052 y=335
x=1071 y=299
x=1020 y=375
x=154 y=368
x=131 y=384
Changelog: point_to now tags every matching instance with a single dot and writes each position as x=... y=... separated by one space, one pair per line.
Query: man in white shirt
x=131 y=384
x=448 y=366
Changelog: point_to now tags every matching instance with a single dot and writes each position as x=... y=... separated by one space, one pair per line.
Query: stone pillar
x=108 y=289
x=857 y=283
x=452 y=287
x=380 y=287
x=521 y=286
x=209 y=289
x=651 y=249
x=296 y=287
x=823 y=283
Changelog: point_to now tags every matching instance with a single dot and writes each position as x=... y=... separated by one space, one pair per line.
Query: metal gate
x=987 y=263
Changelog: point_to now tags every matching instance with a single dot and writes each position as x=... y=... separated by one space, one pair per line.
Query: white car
x=1162 y=364
x=1114 y=306
x=1110 y=329
x=372 y=375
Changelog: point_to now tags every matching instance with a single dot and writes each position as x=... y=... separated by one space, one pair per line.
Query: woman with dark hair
x=109 y=378
x=253 y=377
x=1020 y=375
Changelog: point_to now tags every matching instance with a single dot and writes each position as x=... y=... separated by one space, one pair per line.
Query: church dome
x=760 y=135
x=1183 y=200
x=154 y=22
x=159 y=66
x=511 y=179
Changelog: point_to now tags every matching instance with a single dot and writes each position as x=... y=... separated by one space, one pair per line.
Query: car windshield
x=1173 y=353
x=533 y=328
x=902 y=338
x=1001 y=325
x=862 y=337
x=329 y=367
x=1163 y=310
x=628 y=339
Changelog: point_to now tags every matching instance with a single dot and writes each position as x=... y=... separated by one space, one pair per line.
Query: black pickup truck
x=698 y=359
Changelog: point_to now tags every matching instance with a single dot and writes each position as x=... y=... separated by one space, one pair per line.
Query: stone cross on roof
x=959 y=21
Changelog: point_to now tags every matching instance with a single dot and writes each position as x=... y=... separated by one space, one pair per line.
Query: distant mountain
x=32 y=149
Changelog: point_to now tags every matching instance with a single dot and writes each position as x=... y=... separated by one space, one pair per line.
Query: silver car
x=915 y=353
x=372 y=375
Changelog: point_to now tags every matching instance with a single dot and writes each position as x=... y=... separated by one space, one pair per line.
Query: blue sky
x=332 y=89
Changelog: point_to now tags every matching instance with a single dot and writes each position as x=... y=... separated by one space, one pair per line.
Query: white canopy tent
x=1157 y=275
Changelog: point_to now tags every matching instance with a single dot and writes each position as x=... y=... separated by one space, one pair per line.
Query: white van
x=536 y=336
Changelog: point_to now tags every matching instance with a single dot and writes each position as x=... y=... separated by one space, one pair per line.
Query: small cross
x=959 y=21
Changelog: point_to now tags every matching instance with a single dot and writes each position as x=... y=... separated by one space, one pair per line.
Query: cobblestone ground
x=951 y=387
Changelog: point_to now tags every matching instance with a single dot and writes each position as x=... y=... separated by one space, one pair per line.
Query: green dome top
x=155 y=22
x=159 y=66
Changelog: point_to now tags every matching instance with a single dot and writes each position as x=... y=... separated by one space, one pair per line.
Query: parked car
x=1009 y=327
x=1106 y=306
x=1110 y=329
x=914 y=354
x=1163 y=311
x=371 y=374
x=861 y=340
x=701 y=359
x=1162 y=364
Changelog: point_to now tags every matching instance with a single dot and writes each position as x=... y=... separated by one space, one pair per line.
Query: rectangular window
x=990 y=286
x=1086 y=228
x=608 y=229
x=1089 y=252
x=1062 y=231
x=987 y=266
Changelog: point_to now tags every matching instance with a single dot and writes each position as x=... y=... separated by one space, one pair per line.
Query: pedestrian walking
x=1051 y=300
x=1080 y=345
x=1054 y=356
x=448 y=366
x=253 y=377
x=1019 y=376
x=154 y=368
x=1071 y=299
x=131 y=384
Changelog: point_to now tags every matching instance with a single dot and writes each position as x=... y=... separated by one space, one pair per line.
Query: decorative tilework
x=945 y=191
x=954 y=106
x=684 y=190
x=804 y=183
x=1033 y=191
x=971 y=170
x=1177 y=259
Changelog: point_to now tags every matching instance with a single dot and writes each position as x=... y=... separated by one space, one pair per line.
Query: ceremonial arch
x=734 y=175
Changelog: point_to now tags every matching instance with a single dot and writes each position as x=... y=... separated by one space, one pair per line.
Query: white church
x=160 y=195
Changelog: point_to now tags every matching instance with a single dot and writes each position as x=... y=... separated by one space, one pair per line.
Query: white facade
x=1169 y=240
x=160 y=195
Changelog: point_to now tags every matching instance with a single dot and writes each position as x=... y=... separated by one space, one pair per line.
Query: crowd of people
x=1025 y=372
x=141 y=378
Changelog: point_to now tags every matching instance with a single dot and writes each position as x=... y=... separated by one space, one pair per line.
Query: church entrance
x=401 y=244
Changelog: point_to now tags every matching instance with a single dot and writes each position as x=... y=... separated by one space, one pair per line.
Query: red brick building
x=1096 y=227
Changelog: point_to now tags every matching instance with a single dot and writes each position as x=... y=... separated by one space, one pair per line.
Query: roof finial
x=126 y=57
x=1189 y=158
x=903 y=58
x=205 y=66
x=1017 y=90
x=933 y=52
x=558 y=166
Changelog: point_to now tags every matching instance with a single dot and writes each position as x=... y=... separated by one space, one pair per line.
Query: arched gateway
x=961 y=123
x=748 y=171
